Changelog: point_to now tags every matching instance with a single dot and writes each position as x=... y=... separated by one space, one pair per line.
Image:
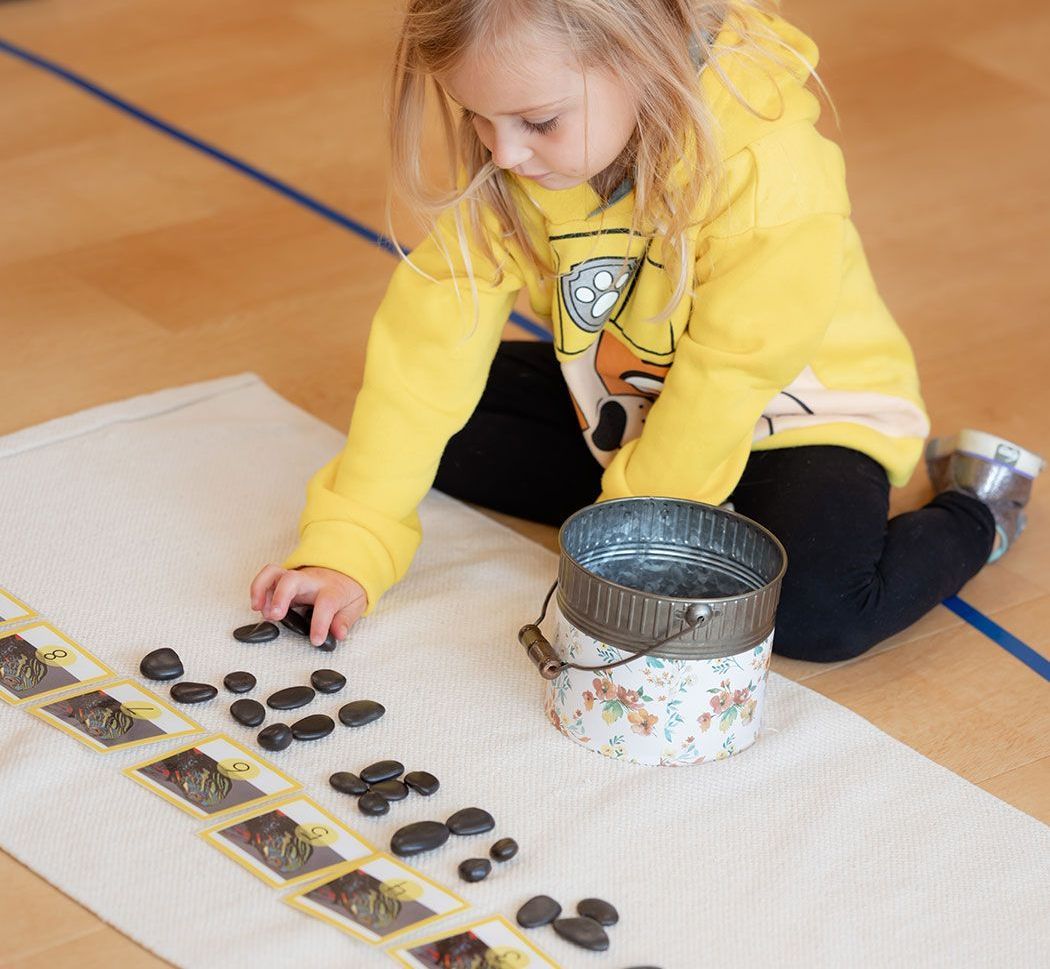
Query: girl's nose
x=509 y=152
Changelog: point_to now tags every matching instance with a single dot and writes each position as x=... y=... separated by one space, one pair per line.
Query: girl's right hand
x=338 y=600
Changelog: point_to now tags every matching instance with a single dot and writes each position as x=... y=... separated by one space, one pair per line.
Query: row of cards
x=342 y=879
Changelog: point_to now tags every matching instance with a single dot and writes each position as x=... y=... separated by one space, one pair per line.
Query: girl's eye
x=542 y=127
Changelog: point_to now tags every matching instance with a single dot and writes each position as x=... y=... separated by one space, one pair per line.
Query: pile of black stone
x=587 y=929
x=379 y=784
x=165 y=664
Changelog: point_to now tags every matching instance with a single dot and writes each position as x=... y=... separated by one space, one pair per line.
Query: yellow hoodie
x=783 y=340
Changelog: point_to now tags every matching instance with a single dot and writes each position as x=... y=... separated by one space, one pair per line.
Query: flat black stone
x=382 y=770
x=474 y=869
x=327 y=681
x=330 y=643
x=537 y=911
x=239 y=682
x=599 y=910
x=392 y=790
x=359 y=712
x=414 y=839
x=373 y=804
x=297 y=622
x=348 y=783
x=193 y=692
x=422 y=782
x=249 y=712
x=504 y=849
x=277 y=736
x=161 y=664
x=313 y=727
x=290 y=698
x=471 y=820
x=586 y=933
x=256 y=632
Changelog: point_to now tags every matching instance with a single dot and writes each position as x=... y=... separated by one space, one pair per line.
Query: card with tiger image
x=288 y=843
x=377 y=899
x=115 y=716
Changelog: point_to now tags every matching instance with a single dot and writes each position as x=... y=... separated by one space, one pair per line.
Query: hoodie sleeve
x=767 y=281
x=426 y=365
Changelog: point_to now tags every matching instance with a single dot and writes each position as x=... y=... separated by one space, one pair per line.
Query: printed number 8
x=56 y=656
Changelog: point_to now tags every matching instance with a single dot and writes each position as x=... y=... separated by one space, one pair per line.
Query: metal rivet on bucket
x=663 y=577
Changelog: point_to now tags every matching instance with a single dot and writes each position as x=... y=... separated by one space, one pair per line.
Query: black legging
x=853 y=579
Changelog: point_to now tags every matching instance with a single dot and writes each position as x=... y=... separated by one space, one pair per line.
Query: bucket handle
x=549 y=664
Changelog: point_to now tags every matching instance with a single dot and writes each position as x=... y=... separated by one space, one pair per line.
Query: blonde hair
x=645 y=43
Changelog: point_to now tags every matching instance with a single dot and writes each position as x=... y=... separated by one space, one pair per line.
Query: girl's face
x=531 y=117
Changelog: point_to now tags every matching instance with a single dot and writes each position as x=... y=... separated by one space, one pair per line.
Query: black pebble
x=373 y=804
x=277 y=736
x=239 y=682
x=161 y=664
x=249 y=712
x=360 y=712
x=314 y=727
x=474 y=869
x=348 y=783
x=599 y=910
x=413 y=839
x=422 y=782
x=382 y=770
x=586 y=933
x=392 y=790
x=471 y=820
x=537 y=911
x=290 y=698
x=504 y=849
x=327 y=681
x=256 y=632
x=193 y=692
x=297 y=622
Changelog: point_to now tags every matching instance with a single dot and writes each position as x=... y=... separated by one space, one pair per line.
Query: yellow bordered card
x=115 y=716
x=290 y=842
x=14 y=610
x=212 y=777
x=377 y=899
x=493 y=943
x=38 y=660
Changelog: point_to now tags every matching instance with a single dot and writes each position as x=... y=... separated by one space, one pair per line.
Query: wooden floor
x=129 y=262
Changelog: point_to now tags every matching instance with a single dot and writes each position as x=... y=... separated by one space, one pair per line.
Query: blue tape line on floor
x=978 y=620
x=1033 y=660
x=276 y=184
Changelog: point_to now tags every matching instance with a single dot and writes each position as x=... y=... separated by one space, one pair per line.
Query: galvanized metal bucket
x=663 y=630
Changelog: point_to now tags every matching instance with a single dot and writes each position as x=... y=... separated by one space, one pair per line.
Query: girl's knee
x=822 y=634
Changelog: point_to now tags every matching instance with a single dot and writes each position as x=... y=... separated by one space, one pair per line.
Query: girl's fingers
x=262 y=585
x=347 y=616
x=324 y=609
x=283 y=594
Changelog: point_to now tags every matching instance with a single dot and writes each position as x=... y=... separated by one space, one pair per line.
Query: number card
x=14 y=610
x=289 y=842
x=38 y=660
x=215 y=776
x=376 y=900
x=115 y=716
x=490 y=944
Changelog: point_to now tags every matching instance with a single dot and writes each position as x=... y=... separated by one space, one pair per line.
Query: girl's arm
x=425 y=369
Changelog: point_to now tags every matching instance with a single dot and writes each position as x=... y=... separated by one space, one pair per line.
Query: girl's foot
x=991 y=469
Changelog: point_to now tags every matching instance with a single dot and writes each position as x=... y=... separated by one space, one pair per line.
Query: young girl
x=649 y=171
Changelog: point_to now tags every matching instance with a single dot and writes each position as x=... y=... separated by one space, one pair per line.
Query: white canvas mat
x=140 y=524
